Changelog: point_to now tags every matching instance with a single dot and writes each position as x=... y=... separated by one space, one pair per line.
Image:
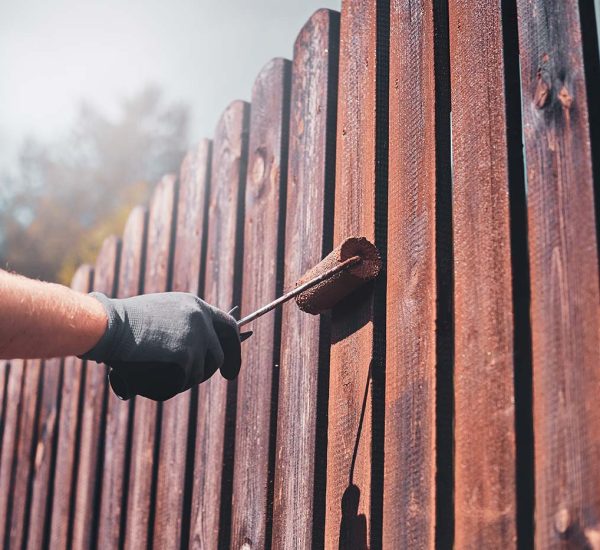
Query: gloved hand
x=158 y=345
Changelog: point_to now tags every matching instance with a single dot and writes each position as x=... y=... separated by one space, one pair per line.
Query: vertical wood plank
x=263 y=244
x=301 y=418
x=563 y=252
x=45 y=454
x=64 y=477
x=90 y=451
x=222 y=289
x=410 y=461
x=4 y=370
x=485 y=501
x=118 y=412
x=142 y=478
x=10 y=438
x=355 y=360
x=29 y=402
x=187 y=266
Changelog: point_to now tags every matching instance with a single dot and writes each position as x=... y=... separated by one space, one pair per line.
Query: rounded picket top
x=107 y=265
x=82 y=278
x=319 y=23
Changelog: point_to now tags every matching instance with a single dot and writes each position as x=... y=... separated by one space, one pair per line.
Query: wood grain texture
x=10 y=438
x=118 y=412
x=410 y=461
x=222 y=288
x=188 y=264
x=301 y=417
x=90 y=451
x=156 y=279
x=68 y=427
x=263 y=244
x=44 y=461
x=348 y=520
x=565 y=316
x=485 y=502
x=4 y=370
x=18 y=513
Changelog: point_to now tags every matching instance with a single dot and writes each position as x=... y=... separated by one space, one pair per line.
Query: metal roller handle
x=299 y=290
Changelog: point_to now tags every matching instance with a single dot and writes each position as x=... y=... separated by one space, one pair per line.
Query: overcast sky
x=202 y=52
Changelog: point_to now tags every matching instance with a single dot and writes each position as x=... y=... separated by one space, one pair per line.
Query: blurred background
x=100 y=98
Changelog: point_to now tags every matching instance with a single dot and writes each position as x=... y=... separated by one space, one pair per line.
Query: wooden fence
x=454 y=402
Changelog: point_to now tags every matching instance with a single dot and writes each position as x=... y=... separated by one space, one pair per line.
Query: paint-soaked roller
x=349 y=266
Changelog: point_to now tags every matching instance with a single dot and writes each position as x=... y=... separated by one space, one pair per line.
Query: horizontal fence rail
x=453 y=402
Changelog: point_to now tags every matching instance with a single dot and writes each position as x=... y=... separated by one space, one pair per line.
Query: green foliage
x=65 y=197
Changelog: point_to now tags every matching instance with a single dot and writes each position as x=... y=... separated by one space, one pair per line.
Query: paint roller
x=346 y=268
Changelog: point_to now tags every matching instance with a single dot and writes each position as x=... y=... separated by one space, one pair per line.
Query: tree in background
x=64 y=198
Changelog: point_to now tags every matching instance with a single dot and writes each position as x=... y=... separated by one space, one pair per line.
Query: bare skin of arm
x=40 y=320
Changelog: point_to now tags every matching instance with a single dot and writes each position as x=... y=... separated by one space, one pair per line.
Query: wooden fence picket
x=4 y=370
x=409 y=487
x=44 y=459
x=357 y=360
x=10 y=441
x=89 y=471
x=143 y=468
x=298 y=513
x=213 y=462
x=563 y=254
x=18 y=512
x=262 y=274
x=485 y=505
x=188 y=265
x=65 y=476
x=118 y=413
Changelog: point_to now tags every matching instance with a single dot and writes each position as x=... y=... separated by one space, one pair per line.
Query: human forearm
x=155 y=345
x=40 y=319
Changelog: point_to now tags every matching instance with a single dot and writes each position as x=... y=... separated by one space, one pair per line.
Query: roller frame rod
x=299 y=290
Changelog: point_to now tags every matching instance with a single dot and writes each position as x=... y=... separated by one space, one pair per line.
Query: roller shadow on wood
x=353 y=525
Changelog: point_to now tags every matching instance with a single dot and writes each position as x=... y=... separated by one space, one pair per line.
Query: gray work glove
x=158 y=345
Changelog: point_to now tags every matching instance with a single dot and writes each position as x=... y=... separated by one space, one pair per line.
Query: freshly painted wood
x=188 y=263
x=156 y=279
x=10 y=441
x=90 y=451
x=18 y=512
x=223 y=289
x=485 y=501
x=563 y=255
x=354 y=365
x=301 y=417
x=410 y=407
x=262 y=274
x=118 y=412
x=68 y=424
x=44 y=459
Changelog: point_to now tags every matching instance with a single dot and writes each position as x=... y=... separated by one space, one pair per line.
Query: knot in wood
x=562 y=522
x=542 y=91
x=565 y=97
x=258 y=167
